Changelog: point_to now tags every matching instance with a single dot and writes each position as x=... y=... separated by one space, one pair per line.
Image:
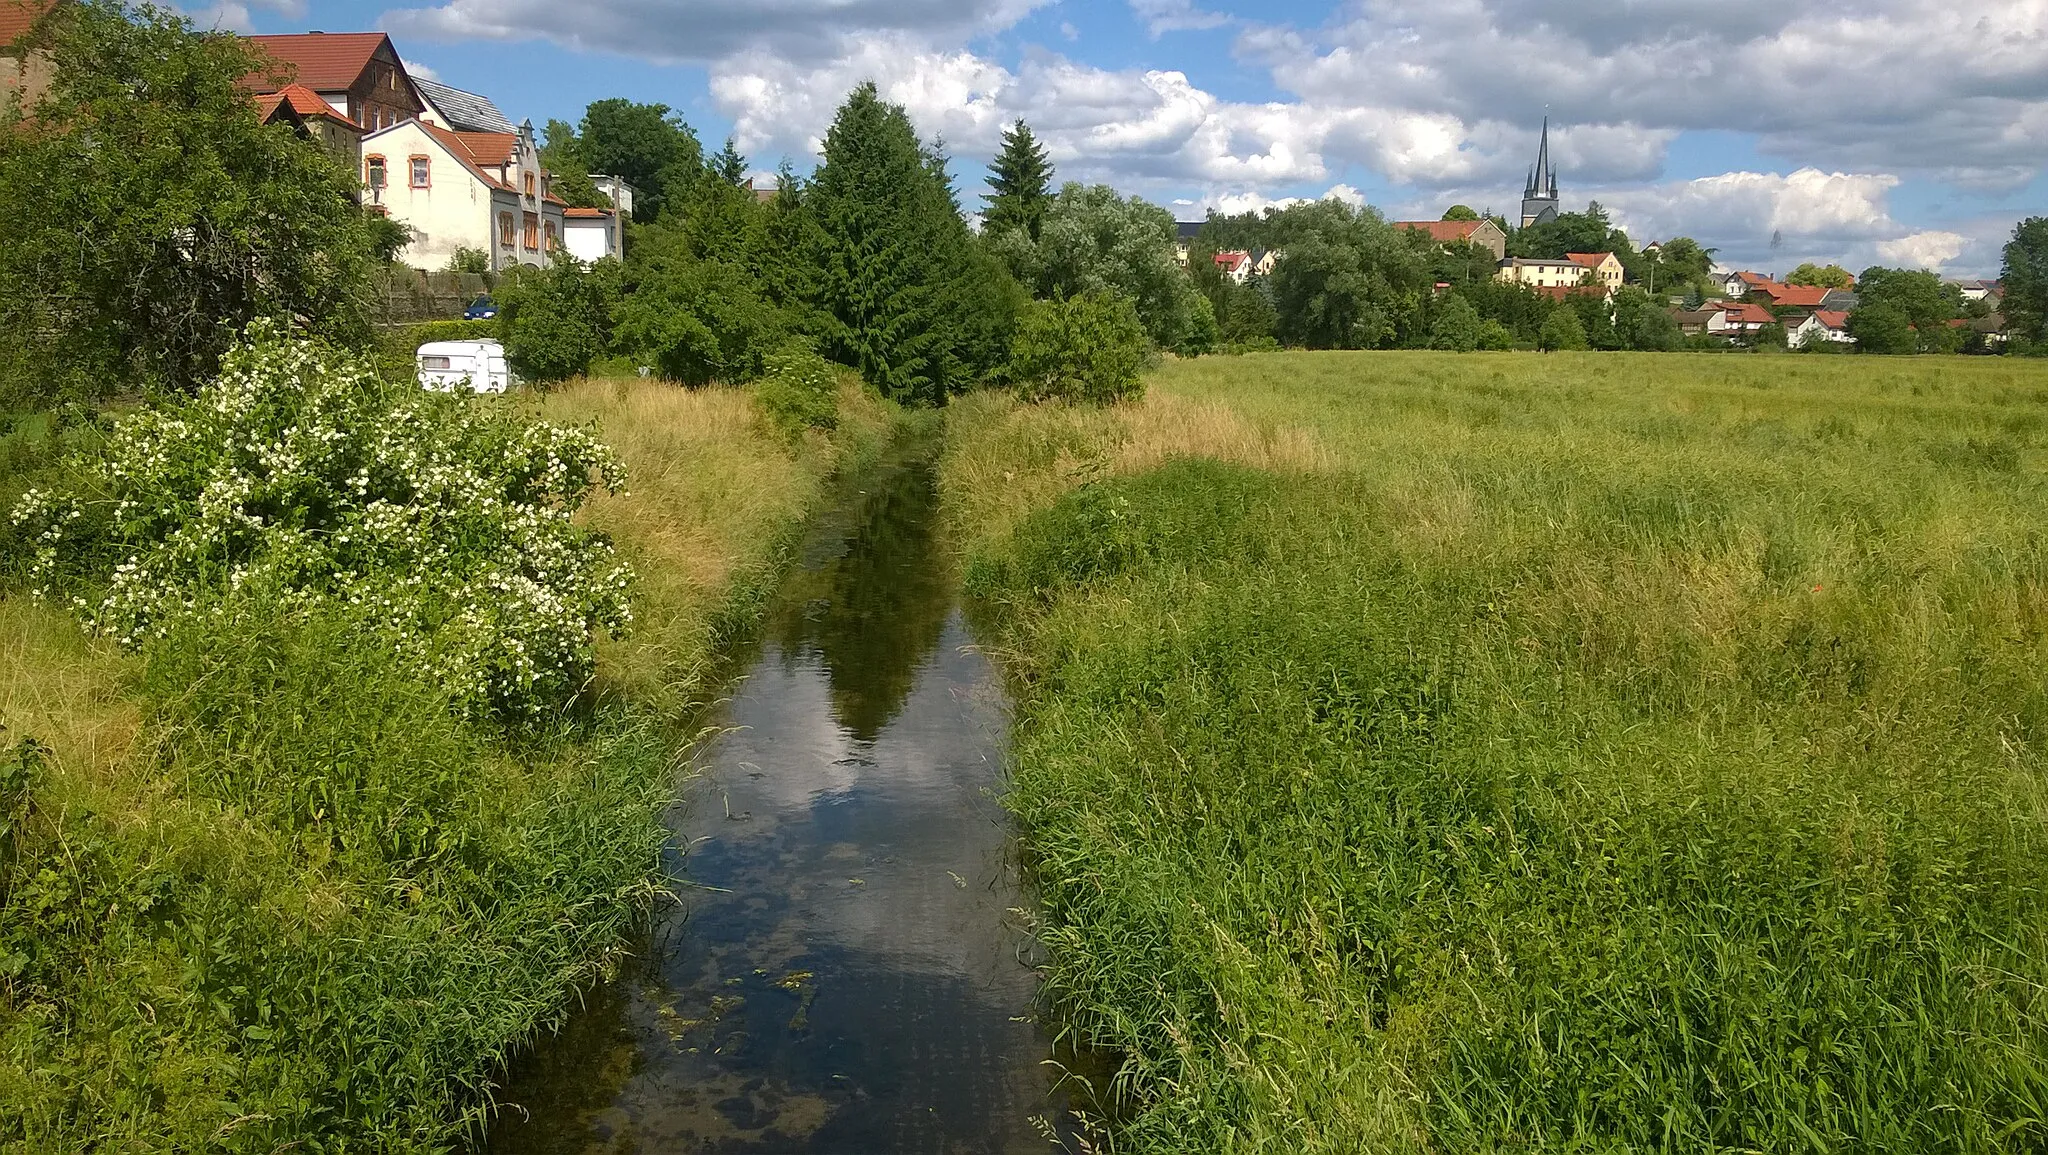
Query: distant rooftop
x=464 y=111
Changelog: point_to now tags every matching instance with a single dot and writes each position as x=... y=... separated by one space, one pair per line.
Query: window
x=529 y=184
x=373 y=172
x=505 y=229
x=433 y=362
x=532 y=231
x=421 y=170
x=550 y=226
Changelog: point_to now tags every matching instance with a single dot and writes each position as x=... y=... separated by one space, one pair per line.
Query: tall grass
x=261 y=891
x=1572 y=754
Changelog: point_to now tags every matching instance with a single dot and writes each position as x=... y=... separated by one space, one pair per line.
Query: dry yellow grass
x=64 y=690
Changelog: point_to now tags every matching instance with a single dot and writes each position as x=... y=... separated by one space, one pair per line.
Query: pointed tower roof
x=1545 y=178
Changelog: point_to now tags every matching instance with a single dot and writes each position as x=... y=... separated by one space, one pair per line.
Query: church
x=1539 y=196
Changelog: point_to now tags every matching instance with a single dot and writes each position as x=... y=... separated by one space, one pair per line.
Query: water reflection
x=853 y=978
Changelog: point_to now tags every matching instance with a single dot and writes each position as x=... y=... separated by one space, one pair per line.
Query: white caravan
x=476 y=366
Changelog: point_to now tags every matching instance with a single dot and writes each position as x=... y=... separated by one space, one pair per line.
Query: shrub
x=1456 y=326
x=1494 y=336
x=1082 y=348
x=470 y=260
x=1561 y=332
x=555 y=321
x=699 y=321
x=800 y=391
x=299 y=478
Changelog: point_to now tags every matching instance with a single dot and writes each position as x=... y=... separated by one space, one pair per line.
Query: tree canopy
x=2025 y=276
x=1020 y=184
x=1093 y=240
x=645 y=145
x=1820 y=276
x=155 y=215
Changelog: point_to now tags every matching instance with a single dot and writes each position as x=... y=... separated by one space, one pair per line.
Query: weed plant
x=1567 y=755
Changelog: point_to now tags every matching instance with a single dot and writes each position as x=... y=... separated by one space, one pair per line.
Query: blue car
x=481 y=309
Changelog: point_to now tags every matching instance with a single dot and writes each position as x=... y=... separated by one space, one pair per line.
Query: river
x=847 y=969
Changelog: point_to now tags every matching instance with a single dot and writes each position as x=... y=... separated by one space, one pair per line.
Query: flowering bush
x=441 y=523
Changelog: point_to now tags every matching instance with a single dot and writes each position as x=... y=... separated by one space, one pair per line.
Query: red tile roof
x=455 y=144
x=1802 y=296
x=1589 y=260
x=1755 y=280
x=586 y=214
x=1232 y=259
x=1443 y=231
x=325 y=61
x=489 y=149
x=1833 y=319
x=303 y=101
x=17 y=15
x=1566 y=292
x=1746 y=313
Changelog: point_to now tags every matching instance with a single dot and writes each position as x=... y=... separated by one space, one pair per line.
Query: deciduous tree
x=2025 y=276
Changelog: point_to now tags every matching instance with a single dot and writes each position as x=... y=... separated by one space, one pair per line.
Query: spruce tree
x=1021 y=177
x=729 y=166
x=909 y=298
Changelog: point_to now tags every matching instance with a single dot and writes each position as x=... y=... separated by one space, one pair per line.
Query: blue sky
x=1901 y=132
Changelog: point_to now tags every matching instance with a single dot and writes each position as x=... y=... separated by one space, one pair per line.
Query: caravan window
x=431 y=362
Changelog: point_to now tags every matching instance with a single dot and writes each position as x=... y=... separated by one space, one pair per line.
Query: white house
x=617 y=190
x=590 y=234
x=1565 y=272
x=463 y=190
x=1820 y=325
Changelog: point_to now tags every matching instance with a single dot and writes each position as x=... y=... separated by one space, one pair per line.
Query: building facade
x=464 y=190
x=358 y=74
x=1482 y=233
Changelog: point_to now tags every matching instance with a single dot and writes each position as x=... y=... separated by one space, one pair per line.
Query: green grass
x=1475 y=753
x=259 y=891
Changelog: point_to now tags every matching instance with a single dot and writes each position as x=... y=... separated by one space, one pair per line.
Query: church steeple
x=1539 y=196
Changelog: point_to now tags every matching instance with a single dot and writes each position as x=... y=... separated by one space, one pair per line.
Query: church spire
x=1539 y=197
x=1546 y=177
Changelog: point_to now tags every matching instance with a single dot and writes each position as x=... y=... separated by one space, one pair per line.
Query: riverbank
x=261 y=890
x=1423 y=752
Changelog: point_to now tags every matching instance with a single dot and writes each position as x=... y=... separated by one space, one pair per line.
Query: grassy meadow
x=258 y=891
x=1501 y=752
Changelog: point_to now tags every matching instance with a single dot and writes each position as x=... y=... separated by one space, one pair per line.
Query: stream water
x=846 y=970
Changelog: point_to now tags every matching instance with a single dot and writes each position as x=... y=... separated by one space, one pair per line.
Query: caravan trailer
x=476 y=366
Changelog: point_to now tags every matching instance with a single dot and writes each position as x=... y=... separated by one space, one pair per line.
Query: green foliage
x=1882 y=328
x=1822 y=276
x=1642 y=323
x=1578 y=760
x=1088 y=348
x=697 y=319
x=906 y=294
x=557 y=320
x=1095 y=240
x=398 y=347
x=155 y=215
x=1347 y=279
x=1456 y=327
x=1919 y=297
x=1519 y=308
x=300 y=479
x=469 y=260
x=1587 y=232
x=1562 y=331
x=1460 y=213
x=645 y=145
x=2025 y=276
x=1494 y=336
x=799 y=391
x=1020 y=184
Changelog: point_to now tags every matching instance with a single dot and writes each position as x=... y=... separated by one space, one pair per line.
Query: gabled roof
x=1755 y=280
x=450 y=142
x=1831 y=319
x=1589 y=260
x=1444 y=231
x=1747 y=313
x=489 y=149
x=1231 y=259
x=325 y=61
x=1800 y=296
x=303 y=102
x=464 y=111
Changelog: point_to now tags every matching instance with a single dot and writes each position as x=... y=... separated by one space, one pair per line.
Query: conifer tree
x=1021 y=177
x=909 y=298
x=729 y=166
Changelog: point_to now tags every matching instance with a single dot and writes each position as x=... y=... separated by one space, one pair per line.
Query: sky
x=1897 y=132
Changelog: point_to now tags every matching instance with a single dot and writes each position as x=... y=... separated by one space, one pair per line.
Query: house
x=1572 y=269
x=358 y=74
x=591 y=234
x=763 y=193
x=24 y=73
x=1991 y=327
x=1741 y=317
x=1184 y=234
x=452 y=108
x=1701 y=321
x=1263 y=261
x=463 y=190
x=1974 y=290
x=315 y=119
x=1737 y=284
x=1819 y=325
x=617 y=191
x=1483 y=233
x=1236 y=265
x=1840 y=301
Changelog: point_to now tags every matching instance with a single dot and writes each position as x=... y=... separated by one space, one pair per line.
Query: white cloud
x=1928 y=250
x=1161 y=16
x=234 y=16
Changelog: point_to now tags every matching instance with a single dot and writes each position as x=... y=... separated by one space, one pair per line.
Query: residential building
x=464 y=190
x=1236 y=265
x=1568 y=271
x=1263 y=261
x=1740 y=317
x=358 y=74
x=452 y=108
x=1974 y=290
x=1819 y=325
x=315 y=119
x=591 y=234
x=1790 y=296
x=1539 y=196
x=1696 y=322
x=618 y=191
x=1483 y=233
x=24 y=74
x=1184 y=234
x=763 y=193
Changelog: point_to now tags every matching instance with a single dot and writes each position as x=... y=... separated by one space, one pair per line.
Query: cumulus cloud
x=1928 y=250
